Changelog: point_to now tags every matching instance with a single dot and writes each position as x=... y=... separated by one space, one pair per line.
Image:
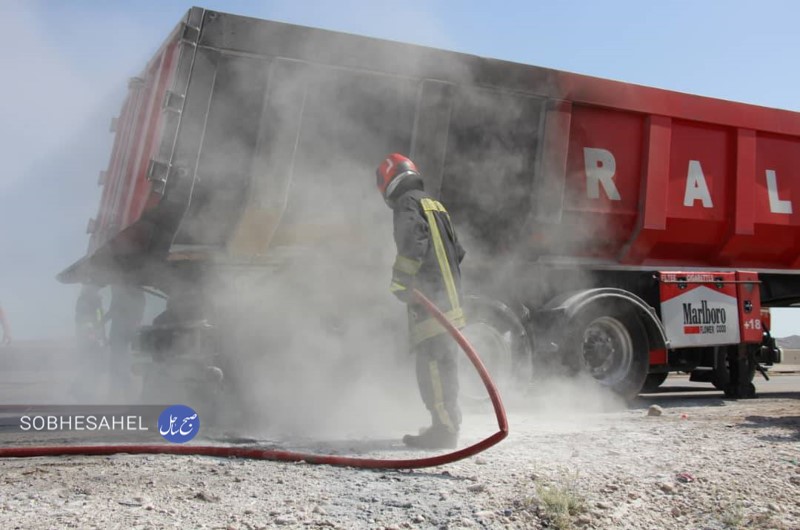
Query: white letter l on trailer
x=776 y=204
x=600 y=168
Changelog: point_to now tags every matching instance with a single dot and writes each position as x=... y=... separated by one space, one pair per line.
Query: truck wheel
x=503 y=343
x=653 y=381
x=609 y=343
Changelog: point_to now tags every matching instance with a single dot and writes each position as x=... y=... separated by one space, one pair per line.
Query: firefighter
x=90 y=336
x=90 y=320
x=428 y=259
x=126 y=313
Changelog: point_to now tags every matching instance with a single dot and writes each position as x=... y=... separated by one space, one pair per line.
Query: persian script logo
x=178 y=424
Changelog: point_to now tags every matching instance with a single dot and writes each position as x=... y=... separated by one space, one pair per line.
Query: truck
x=612 y=229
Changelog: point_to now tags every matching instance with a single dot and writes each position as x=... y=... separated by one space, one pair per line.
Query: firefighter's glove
x=403 y=272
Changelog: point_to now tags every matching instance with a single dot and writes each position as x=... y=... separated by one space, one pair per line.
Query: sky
x=65 y=68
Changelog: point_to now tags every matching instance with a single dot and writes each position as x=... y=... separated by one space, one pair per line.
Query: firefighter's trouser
x=437 y=376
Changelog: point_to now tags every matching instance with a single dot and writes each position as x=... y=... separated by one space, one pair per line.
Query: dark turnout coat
x=428 y=259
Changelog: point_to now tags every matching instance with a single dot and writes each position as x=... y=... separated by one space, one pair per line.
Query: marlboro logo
x=700 y=315
x=703 y=319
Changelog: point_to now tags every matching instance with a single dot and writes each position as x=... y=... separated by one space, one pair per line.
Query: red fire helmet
x=393 y=170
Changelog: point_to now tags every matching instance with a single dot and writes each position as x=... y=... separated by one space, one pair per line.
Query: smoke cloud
x=311 y=343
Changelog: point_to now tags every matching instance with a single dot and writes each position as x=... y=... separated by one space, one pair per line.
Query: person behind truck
x=6 y=327
x=428 y=259
x=125 y=313
x=90 y=340
x=90 y=330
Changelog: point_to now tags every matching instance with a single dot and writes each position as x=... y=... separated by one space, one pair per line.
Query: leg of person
x=88 y=359
x=437 y=377
x=127 y=309
x=447 y=359
x=119 y=371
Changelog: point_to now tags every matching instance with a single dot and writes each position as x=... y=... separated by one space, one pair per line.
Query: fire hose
x=311 y=458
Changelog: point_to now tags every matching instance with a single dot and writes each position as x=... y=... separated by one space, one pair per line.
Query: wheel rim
x=607 y=350
x=496 y=351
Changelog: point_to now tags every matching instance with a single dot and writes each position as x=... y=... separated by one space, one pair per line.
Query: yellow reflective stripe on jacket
x=407 y=265
x=436 y=206
x=430 y=206
x=431 y=327
x=396 y=286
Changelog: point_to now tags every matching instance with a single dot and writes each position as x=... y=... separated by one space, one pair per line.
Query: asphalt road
x=780 y=384
x=46 y=372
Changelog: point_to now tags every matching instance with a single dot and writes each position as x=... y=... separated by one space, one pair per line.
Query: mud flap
x=741 y=367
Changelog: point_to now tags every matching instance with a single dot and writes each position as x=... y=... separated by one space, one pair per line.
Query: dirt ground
x=572 y=460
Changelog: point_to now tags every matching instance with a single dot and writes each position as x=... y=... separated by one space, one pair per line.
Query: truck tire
x=653 y=381
x=503 y=343
x=609 y=342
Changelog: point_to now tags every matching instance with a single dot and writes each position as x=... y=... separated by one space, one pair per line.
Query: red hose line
x=290 y=456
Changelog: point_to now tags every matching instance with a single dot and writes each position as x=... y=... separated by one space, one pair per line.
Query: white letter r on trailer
x=600 y=168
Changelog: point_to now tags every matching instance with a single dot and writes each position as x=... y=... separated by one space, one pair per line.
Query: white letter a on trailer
x=600 y=168
x=696 y=187
x=776 y=204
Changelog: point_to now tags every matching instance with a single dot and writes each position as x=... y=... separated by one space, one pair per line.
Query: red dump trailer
x=616 y=229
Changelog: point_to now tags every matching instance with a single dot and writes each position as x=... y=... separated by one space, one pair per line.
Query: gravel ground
x=575 y=462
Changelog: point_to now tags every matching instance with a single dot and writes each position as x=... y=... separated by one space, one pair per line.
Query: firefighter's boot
x=435 y=437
